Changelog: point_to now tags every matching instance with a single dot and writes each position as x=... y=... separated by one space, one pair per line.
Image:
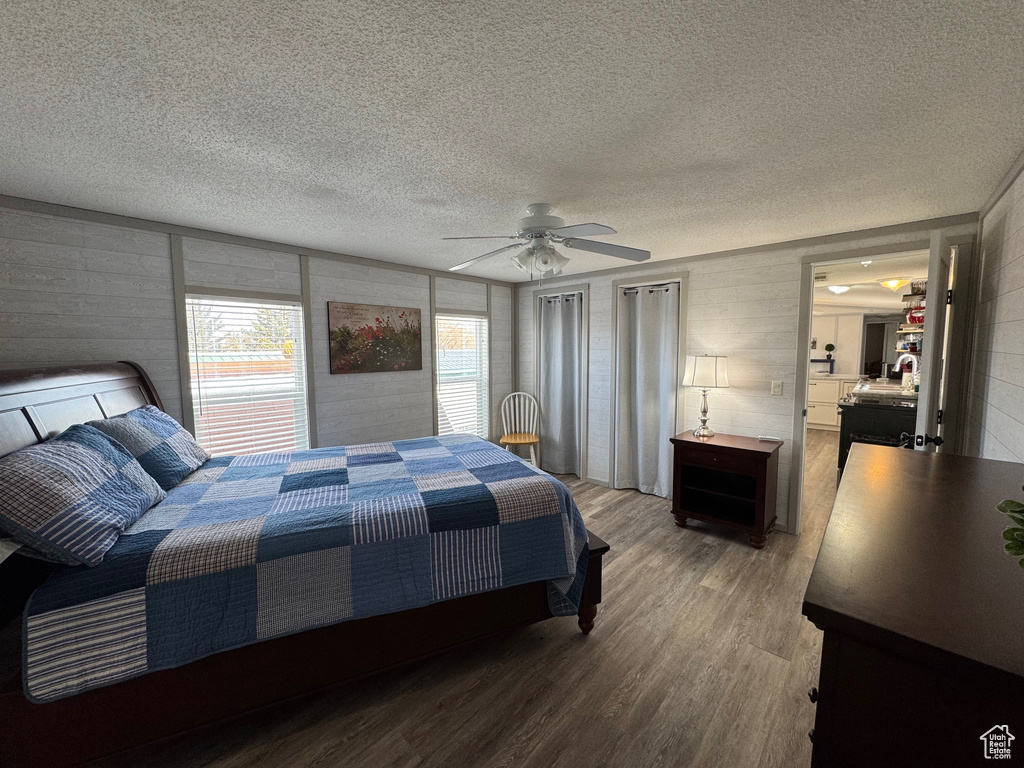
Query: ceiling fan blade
x=482 y=237
x=608 y=249
x=583 y=230
x=487 y=255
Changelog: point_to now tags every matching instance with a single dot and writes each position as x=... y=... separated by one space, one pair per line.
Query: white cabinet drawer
x=819 y=413
x=823 y=391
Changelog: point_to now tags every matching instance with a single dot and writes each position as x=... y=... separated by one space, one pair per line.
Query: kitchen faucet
x=913 y=363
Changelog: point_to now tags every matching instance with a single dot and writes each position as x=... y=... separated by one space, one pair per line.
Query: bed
x=228 y=681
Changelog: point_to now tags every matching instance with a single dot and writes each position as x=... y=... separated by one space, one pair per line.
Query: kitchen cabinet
x=823 y=391
x=822 y=397
x=822 y=414
x=846 y=332
x=823 y=329
x=849 y=344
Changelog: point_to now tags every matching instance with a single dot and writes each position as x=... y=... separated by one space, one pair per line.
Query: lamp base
x=703 y=430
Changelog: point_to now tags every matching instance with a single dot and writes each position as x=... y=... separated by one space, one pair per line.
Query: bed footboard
x=592 y=585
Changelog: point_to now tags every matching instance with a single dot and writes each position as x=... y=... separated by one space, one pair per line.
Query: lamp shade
x=706 y=371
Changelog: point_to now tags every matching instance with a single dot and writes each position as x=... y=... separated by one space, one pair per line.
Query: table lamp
x=705 y=372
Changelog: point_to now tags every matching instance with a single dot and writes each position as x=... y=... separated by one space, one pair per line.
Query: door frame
x=583 y=403
x=683 y=280
x=965 y=277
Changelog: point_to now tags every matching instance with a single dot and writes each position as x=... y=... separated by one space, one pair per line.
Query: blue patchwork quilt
x=249 y=548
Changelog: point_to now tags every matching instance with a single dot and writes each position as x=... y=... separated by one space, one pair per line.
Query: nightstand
x=727 y=480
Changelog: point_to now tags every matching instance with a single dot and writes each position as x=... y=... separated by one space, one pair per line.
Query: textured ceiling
x=865 y=293
x=376 y=128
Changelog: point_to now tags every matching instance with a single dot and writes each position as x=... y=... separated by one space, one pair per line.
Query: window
x=248 y=371
x=462 y=391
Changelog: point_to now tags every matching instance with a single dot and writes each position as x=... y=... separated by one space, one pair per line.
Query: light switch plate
x=776 y=387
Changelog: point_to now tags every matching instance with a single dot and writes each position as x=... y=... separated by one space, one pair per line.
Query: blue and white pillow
x=71 y=497
x=163 y=447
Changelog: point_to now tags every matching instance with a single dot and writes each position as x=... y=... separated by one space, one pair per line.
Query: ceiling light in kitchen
x=838 y=289
x=894 y=283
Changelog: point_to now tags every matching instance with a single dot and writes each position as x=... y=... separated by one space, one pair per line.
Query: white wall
x=846 y=332
x=365 y=407
x=239 y=267
x=74 y=291
x=996 y=412
x=501 y=353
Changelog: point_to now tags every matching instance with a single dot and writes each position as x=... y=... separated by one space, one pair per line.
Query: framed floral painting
x=369 y=338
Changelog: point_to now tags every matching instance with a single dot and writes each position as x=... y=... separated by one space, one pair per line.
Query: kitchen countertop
x=833 y=377
x=870 y=391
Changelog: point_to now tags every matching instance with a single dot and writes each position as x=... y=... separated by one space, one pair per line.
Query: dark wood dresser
x=923 y=614
x=728 y=480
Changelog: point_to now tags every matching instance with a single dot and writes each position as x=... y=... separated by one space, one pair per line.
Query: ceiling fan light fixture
x=548 y=261
x=524 y=260
x=838 y=289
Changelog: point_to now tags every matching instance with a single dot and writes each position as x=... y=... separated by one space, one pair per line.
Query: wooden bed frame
x=38 y=404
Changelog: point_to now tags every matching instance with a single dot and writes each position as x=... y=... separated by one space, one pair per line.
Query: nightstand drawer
x=724 y=461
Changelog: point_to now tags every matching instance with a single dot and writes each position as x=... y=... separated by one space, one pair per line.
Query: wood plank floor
x=700 y=657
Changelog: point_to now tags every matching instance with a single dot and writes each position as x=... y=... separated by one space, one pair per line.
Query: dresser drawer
x=724 y=461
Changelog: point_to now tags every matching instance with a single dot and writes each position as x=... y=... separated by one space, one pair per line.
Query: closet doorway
x=649 y=339
x=562 y=318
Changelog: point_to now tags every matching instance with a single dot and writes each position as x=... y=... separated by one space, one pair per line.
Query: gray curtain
x=559 y=361
x=647 y=385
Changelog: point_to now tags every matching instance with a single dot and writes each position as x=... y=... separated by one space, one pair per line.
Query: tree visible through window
x=248 y=375
x=462 y=377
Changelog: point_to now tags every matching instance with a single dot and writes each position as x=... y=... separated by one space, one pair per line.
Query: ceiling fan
x=539 y=232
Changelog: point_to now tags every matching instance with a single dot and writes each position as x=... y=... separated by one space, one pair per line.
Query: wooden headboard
x=39 y=403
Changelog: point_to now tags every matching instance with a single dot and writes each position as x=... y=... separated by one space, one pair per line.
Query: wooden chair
x=519 y=423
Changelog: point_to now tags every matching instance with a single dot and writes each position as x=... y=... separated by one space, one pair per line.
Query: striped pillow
x=71 y=497
x=164 y=448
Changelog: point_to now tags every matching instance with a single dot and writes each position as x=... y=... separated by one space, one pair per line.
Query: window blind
x=248 y=373
x=462 y=385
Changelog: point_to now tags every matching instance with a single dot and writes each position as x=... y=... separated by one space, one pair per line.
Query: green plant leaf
x=1021 y=562
x=1010 y=507
x=1015 y=548
x=1011 y=534
x=1016 y=518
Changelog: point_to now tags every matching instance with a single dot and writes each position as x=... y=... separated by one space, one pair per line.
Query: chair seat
x=519 y=438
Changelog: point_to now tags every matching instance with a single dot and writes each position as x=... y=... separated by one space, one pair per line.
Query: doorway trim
x=683 y=280
x=583 y=405
x=955 y=236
